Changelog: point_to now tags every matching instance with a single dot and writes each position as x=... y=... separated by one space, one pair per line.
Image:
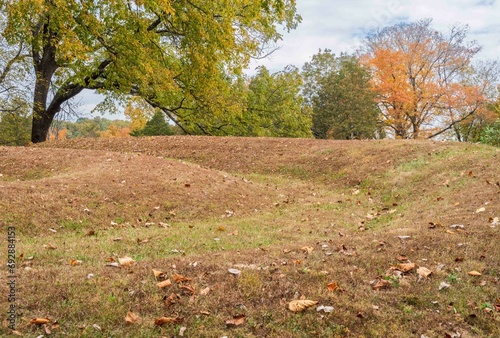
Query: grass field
x=242 y=227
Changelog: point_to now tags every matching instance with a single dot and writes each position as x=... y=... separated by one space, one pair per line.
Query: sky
x=341 y=25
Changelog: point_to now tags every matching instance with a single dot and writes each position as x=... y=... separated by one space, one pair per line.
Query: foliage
x=156 y=126
x=14 y=129
x=424 y=79
x=275 y=105
x=174 y=54
x=491 y=134
x=86 y=127
x=264 y=104
x=338 y=90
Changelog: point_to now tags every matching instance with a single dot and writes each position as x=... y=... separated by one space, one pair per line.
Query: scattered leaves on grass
x=40 y=321
x=179 y=279
x=164 y=284
x=167 y=320
x=474 y=273
x=126 y=261
x=424 y=272
x=300 y=305
x=131 y=318
x=332 y=286
x=236 y=321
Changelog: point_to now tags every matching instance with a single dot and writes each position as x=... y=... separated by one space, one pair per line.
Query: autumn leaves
x=426 y=82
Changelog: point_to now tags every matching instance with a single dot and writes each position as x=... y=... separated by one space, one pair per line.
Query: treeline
x=174 y=75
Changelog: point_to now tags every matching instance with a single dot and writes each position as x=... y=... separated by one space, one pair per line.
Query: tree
x=14 y=129
x=171 y=53
x=338 y=91
x=157 y=126
x=274 y=105
x=421 y=78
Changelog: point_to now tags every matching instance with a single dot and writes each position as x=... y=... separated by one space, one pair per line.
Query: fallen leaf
x=482 y=209
x=167 y=320
x=497 y=305
x=114 y=264
x=131 y=318
x=235 y=272
x=40 y=321
x=47 y=329
x=206 y=313
x=236 y=321
x=404 y=237
x=170 y=300
x=332 y=286
x=50 y=246
x=126 y=261
x=443 y=286
x=158 y=274
x=205 y=291
x=424 y=272
x=326 y=309
x=182 y=330
x=459 y=259
x=188 y=289
x=402 y=258
x=406 y=267
x=300 y=305
x=74 y=262
x=474 y=273
x=179 y=279
x=164 y=284
x=307 y=249
x=381 y=284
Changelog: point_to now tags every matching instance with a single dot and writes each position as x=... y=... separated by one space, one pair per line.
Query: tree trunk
x=42 y=118
x=45 y=66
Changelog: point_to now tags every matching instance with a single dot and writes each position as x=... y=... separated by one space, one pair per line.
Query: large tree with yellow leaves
x=178 y=55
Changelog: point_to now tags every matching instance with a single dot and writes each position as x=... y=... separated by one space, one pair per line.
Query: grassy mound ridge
x=314 y=212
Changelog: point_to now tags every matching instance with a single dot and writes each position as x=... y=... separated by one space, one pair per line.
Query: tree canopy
x=338 y=90
x=425 y=80
x=179 y=56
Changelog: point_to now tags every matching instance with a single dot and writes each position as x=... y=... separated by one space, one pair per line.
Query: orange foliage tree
x=424 y=80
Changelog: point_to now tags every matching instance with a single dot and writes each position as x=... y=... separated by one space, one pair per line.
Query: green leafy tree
x=275 y=105
x=174 y=54
x=262 y=105
x=157 y=126
x=14 y=129
x=338 y=91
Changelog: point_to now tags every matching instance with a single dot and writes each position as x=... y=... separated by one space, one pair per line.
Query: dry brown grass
x=253 y=204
